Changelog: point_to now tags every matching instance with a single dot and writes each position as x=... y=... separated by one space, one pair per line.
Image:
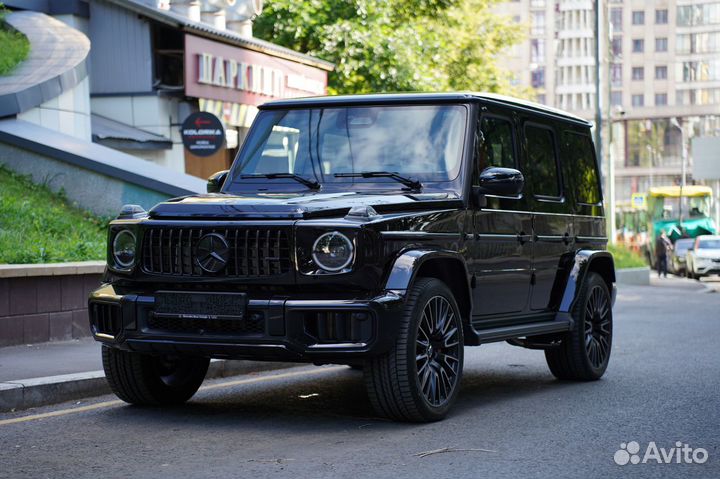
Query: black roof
x=405 y=98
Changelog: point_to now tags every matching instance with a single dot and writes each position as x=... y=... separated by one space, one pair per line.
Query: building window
x=707 y=42
x=660 y=99
x=661 y=17
x=537 y=50
x=638 y=17
x=538 y=77
x=638 y=73
x=616 y=46
x=701 y=96
x=638 y=100
x=694 y=15
x=703 y=70
x=616 y=98
x=661 y=44
x=537 y=23
x=661 y=72
x=653 y=142
x=638 y=45
x=616 y=74
x=616 y=19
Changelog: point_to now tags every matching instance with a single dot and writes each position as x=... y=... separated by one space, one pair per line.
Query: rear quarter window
x=582 y=167
x=542 y=161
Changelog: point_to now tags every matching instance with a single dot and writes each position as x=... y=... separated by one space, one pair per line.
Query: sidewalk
x=48 y=373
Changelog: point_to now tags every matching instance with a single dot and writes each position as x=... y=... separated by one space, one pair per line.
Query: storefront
x=231 y=82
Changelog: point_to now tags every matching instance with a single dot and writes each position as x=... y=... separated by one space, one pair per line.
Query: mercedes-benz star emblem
x=212 y=252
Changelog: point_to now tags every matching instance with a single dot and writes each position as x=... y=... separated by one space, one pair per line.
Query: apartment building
x=660 y=76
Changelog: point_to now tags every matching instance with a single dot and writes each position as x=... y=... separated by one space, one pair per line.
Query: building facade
x=152 y=63
x=660 y=77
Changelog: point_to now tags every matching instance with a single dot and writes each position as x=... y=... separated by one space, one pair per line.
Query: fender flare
x=407 y=264
x=583 y=262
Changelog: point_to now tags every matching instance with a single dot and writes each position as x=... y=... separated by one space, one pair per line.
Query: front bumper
x=707 y=267
x=274 y=328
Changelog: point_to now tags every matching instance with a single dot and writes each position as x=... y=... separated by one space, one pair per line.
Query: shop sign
x=202 y=134
x=221 y=72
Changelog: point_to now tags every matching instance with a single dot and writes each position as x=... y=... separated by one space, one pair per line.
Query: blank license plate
x=201 y=305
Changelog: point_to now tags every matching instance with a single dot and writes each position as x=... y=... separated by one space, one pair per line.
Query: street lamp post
x=683 y=154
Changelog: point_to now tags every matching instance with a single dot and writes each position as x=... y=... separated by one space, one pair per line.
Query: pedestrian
x=662 y=247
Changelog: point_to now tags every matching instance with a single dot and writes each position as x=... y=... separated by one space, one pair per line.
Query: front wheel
x=152 y=380
x=585 y=350
x=419 y=379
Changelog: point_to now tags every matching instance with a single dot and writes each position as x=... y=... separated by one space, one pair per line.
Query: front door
x=500 y=251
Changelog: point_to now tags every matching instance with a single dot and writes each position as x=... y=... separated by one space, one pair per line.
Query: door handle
x=523 y=238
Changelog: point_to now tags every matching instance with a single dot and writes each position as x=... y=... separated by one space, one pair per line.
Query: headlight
x=124 y=248
x=333 y=251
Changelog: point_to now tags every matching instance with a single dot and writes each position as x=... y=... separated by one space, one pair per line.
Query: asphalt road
x=512 y=419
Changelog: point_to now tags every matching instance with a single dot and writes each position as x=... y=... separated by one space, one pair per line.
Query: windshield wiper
x=313 y=185
x=409 y=182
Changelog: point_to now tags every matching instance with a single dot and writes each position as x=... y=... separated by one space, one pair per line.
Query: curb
x=34 y=392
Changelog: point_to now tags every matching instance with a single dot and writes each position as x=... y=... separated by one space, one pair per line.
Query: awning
x=120 y=136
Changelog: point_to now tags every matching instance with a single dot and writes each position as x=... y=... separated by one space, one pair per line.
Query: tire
x=419 y=378
x=585 y=350
x=152 y=380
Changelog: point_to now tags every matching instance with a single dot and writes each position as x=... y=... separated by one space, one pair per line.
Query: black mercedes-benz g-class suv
x=384 y=232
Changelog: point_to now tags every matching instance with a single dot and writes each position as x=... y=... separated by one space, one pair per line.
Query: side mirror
x=500 y=182
x=216 y=181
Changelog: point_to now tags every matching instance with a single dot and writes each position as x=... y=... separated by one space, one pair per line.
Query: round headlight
x=333 y=251
x=124 y=248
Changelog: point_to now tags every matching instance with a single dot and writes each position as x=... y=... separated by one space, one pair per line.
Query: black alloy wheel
x=419 y=378
x=437 y=351
x=584 y=351
x=598 y=327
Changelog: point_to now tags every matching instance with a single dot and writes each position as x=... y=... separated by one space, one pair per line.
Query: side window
x=498 y=148
x=542 y=161
x=582 y=168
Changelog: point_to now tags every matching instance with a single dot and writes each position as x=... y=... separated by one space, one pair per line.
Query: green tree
x=401 y=45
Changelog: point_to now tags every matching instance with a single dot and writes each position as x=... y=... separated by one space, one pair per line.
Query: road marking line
x=90 y=407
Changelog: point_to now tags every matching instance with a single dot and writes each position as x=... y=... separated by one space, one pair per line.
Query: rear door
x=581 y=170
x=501 y=249
x=551 y=210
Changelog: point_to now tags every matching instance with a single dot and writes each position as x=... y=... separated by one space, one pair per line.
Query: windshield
x=709 y=244
x=669 y=208
x=681 y=246
x=424 y=142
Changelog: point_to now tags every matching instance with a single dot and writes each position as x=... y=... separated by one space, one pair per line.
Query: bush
x=625 y=257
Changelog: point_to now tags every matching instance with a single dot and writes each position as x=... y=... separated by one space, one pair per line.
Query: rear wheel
x=418 y=380
x=585 y=350
x=152 y=380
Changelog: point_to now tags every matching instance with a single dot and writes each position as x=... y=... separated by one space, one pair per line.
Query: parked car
x=393 y=231
x=677 y=256
x=703 y=258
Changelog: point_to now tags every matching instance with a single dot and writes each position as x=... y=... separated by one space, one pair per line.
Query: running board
x=520 y=331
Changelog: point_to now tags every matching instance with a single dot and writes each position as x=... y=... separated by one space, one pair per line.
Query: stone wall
x=46 y=302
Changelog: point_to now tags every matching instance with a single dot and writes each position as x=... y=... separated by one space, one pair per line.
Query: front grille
x=253 y=325
x=106 y=318
x=253 y=252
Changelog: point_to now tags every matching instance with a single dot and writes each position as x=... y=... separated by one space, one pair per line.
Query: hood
x=297 y=206
x=708 y=253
